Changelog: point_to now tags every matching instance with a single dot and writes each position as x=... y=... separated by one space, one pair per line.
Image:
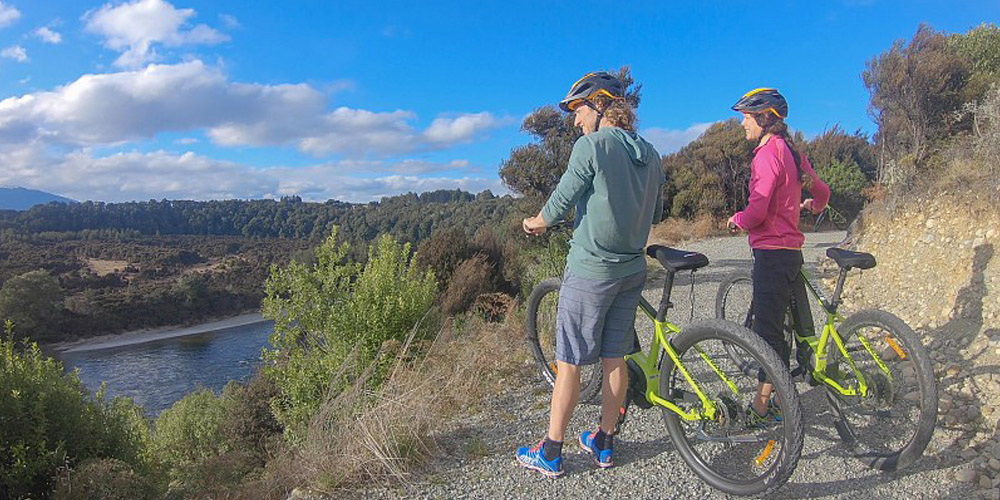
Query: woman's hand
x=534 y=226
x=807 y=204
x=731 y=224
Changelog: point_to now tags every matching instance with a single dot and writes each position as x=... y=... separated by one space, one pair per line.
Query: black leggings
x=777 y=278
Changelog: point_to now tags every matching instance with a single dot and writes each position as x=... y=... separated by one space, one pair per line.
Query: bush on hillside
x=331 y=320
x=249 y=425
x=443 y=252
x=846 y=183
x=208 y=444
x=709 y=176
x=33 y=301
x=105 y=479
x=472 y=278
x=50 y=421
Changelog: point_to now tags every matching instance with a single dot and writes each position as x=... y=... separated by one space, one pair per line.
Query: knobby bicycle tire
x=791 y=434
x=540 y=333
x=916 y=403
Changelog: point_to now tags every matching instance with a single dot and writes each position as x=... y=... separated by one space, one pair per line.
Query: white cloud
x=159 y=174
x=16 y=52
x=459 y=129
x=229 y=21
x=184 y=141
x=667 y=141
x=115 y=108
x=120 y=107
x=8 y=14
x=47 y=35
x=134 y=28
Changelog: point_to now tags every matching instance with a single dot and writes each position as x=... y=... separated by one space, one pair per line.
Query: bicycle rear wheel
x=891 y=427
x=541 y=336
x=734 y=302
x=732 y=452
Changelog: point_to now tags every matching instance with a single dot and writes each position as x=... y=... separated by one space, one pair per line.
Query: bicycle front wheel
x=734 y=450
x=890 y=427
x=541 y=335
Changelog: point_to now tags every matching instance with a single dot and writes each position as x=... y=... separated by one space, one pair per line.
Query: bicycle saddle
x=849 y=260
x=676 y=260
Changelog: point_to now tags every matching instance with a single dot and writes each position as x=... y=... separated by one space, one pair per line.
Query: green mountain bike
x=831 y=214
x=702 y=392
x=878 y=377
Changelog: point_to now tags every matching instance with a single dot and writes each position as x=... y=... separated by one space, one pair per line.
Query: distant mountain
x=18 y=198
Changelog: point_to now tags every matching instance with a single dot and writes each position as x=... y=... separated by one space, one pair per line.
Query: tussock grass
x=674 y=231
x=363 y=436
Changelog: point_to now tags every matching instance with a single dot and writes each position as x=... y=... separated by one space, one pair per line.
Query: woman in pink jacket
x=778 y=174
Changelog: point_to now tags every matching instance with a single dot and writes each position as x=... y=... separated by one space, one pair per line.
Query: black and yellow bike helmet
x=761 y=101
x=592 y=84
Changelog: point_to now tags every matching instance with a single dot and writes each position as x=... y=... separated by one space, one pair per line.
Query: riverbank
x=152 y=334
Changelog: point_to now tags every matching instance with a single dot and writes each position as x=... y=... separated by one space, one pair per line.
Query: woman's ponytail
x=771 y=124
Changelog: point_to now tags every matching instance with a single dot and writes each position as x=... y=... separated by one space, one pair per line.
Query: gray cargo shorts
x=596 y=318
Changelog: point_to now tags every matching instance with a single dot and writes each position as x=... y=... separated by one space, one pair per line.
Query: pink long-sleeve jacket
x=772 y=213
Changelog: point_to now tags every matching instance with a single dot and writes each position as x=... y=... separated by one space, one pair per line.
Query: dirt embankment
x=939 y=270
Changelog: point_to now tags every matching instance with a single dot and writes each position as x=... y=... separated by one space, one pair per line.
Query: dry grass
x=361 y=437
x=676 y=231
x=102 y=267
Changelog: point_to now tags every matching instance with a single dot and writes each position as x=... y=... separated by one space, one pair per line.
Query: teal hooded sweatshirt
x=614 y=179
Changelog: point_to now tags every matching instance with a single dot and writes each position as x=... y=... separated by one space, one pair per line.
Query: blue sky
x=357 y=100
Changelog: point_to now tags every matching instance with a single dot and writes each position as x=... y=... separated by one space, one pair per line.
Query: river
x=158 y=373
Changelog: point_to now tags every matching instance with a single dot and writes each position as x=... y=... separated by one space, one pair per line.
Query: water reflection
x=157 y=374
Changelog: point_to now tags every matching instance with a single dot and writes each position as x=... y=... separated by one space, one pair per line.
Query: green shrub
x=544 y=261
x=249 y=425
x=189 y=432
x=105 y=479
x=33 y=301
x=208 y=444
x=332 y=318
x=846 y=182
x=49 y=422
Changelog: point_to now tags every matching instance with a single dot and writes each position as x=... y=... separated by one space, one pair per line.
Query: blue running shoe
x=533 y=458
x=601 y=457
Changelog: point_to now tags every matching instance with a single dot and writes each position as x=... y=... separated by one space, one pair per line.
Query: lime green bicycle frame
x=821 y=345
x=650 y=363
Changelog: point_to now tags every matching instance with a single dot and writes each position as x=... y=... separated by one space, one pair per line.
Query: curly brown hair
x=618 y=112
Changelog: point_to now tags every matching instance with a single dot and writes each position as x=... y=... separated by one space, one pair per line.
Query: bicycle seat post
x=665 y=304
x=835 y=300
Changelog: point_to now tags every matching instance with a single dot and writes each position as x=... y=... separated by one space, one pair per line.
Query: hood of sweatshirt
x=639 y=151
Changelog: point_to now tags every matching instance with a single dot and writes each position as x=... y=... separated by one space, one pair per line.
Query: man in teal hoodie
x=613 y=179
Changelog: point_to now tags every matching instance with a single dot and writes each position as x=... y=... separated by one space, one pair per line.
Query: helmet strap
x=600 y=114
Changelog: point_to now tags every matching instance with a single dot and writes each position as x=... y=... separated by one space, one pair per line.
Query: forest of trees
x=178 y=262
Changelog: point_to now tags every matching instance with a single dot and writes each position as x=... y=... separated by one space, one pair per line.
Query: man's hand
x=731 y=224
x=534 y=225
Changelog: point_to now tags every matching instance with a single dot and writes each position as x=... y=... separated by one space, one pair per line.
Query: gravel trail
x=477 y=459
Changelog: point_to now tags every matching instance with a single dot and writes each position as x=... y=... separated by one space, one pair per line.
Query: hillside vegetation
x=935 y=229
x=72 y=271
